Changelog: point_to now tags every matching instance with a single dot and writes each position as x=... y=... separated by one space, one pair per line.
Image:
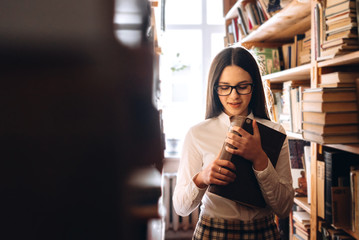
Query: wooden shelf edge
x=347 y=59
x=291 y=14
x=353 y=148
x=303 y=203
x=232 y=13
x=294 y=135
x=297 y=73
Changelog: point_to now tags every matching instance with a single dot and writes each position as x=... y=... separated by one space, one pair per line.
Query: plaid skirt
x=218 y=229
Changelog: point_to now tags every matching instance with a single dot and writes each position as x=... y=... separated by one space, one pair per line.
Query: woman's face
x=235 y=104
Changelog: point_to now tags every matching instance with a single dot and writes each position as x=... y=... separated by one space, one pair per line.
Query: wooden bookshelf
x=303 y=203
x=296 y=73
x=296 y=18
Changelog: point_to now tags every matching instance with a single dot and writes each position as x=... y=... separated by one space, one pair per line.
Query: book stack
x=304 y=47
x=339 y=79
x=301 y=225
x=330 y=115
x=341 y=28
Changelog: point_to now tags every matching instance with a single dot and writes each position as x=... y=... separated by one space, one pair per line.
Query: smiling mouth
x=234 y=104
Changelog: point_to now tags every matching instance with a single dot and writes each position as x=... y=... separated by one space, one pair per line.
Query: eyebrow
x=242 y=82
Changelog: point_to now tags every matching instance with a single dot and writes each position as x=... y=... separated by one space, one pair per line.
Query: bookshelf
x=296 y=18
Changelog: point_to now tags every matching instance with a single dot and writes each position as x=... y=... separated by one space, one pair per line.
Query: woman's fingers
x=222 y=172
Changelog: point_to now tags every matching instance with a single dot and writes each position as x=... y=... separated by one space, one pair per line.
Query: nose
x=234 y=93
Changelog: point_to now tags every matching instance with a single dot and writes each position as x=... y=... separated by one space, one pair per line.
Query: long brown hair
x=240 y=57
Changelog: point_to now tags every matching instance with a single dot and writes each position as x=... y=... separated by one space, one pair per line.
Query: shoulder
x=203 y=126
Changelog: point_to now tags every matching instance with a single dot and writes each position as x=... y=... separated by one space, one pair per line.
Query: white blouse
x=202 y=145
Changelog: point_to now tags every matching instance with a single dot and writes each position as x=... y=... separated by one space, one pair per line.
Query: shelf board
x=294 y=135
x=283 y=26
x=353 y=148
x=303 y=203
x=347 y=59
x=297 y=73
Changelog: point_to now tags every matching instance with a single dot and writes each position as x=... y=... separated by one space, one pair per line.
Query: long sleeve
x=187 y=196
x=276 y=183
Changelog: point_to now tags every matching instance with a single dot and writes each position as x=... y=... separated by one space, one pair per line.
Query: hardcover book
x=329 y=94
x=245 y=189
x=331 y=117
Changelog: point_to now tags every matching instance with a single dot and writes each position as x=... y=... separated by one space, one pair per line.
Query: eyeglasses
x=241 y=89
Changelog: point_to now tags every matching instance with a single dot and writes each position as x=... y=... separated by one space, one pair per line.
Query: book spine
x=328 y=186
x=354 y=190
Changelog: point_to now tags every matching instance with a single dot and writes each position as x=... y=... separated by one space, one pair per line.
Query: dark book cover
x=245 y=189
x=337 y=173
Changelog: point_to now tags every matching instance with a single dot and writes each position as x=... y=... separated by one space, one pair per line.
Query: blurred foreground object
x=76 y=119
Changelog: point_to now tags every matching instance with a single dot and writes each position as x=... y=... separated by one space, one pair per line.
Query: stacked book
x=341 y=28
x=301 y=225
x=330 y=115
x=304 y=47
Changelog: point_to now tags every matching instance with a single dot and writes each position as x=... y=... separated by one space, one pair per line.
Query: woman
x=234 y=88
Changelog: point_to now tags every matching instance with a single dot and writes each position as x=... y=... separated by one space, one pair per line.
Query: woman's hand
x=216 y=173
x=248 y=146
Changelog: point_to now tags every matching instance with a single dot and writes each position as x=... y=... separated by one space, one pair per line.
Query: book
x=307 y=160
x=329 y=106
x=354 y=190
x=235 y=30
x=341 y=207
x=286 y=50
x=339 y=41
x=335 y=77
x=303 y=233
x=340 y=16
x=345 y=5
x=322 y=129
x=343 y=23
x=351 y=33
x=334 y=2
x=268 y=58
x=336 y=85
x=250 y=15
x=329 y=94
x=332 y=52
x=301 y=217
x=337 y=172
x=245 y=188
x=331 y=117
x=243 y=21
x=321 y=188
x=331 y=138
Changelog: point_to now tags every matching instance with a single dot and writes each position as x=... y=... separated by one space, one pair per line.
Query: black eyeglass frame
x=234 y=87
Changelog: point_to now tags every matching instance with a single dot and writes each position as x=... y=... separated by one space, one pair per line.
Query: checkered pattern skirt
x=218 y=229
